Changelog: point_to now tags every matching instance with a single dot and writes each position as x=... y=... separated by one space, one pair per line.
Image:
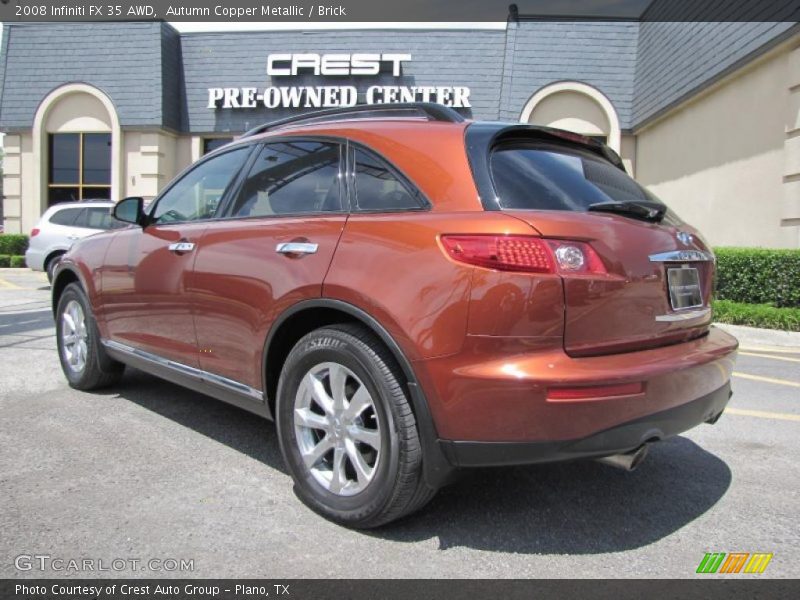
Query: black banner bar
x=342 y=11
x=743 y=586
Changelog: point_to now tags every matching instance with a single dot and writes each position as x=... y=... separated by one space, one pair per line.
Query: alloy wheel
x=74 y=337
x=337 y=429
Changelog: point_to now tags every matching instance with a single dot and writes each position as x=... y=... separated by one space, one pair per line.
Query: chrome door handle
x=73 y=237
x=296 y=248
x=181 y=247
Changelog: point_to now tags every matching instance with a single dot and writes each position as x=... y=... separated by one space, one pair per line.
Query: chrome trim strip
x=199 y=374
x=682 y=256
x=684 y=316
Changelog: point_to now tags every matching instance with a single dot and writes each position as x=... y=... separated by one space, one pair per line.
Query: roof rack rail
x=428 y=110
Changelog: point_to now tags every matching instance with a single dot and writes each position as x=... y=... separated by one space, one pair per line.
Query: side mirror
x=129 y=210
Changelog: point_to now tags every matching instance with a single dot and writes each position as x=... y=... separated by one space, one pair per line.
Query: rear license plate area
x=684 y=288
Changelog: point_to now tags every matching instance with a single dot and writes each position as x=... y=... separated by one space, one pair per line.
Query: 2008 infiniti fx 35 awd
x=407 y=293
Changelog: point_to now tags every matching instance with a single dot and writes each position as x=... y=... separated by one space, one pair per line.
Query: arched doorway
x=77 y=139
x=577 y=107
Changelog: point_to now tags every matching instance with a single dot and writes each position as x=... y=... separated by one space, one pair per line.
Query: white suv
x=63 y=224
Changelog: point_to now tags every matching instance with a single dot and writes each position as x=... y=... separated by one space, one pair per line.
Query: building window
x=211 y=144
x=80 y=167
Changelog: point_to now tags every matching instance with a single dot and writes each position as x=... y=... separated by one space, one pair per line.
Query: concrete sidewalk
x=763 y=338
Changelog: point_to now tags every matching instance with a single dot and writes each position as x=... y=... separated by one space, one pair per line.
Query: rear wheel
x=347 y=431
x=83 y=358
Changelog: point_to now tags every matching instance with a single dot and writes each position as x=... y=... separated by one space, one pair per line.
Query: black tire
x=98 y=369
x=51 y=265
x=397 y=487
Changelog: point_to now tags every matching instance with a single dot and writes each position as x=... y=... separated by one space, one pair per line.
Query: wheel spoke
x=363 y=470
x=370 y=437
x=315 y=454
x=338 y=475
x=69 y=322
x=307 y=418
x=319 y=394
x=82 y=352
x=360 y=400
x=338 y=378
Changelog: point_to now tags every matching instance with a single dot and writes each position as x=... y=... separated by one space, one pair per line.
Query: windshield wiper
x=647 y=211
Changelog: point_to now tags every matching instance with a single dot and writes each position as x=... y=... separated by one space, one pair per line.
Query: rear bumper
x=496 y=390
x=616 y=440
x=34 y=258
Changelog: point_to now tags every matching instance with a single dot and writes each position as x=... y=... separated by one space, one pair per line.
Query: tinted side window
x=377 y=187
x=65 y=217
x=100 y=218
x=291 y=178
x=558 y=178
x=197 y=195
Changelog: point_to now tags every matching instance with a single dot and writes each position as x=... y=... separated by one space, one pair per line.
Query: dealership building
x=706 y=115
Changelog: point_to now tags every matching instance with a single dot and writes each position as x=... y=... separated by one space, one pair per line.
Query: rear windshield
x=553 y=177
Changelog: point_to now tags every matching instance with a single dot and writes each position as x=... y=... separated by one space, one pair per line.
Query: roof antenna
x=513 y=13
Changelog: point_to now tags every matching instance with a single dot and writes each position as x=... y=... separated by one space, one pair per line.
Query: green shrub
x=759 y=276
x=5 y=260
x=757 y=315
x=13 y=243
x=17 y=261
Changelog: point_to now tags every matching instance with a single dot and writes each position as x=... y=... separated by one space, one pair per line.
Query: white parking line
x=766 y=379
x=9 y=285
x=786 y=358
x=777 y=349
x=763 y=414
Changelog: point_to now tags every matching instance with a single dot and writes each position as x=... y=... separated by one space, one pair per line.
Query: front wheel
x=83 y=358
x=347 y=431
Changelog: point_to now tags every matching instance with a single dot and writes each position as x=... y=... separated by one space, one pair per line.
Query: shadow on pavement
x=579 y=507
x=236 y=428
x=17 y=322
x=568 y=508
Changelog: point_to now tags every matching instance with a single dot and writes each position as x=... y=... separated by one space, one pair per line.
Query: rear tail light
x=524 y=253
x=34 y=232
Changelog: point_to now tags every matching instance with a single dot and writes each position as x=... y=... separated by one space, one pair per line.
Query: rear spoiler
x=536 y=131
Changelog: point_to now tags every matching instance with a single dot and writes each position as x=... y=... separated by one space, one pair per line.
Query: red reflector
x=595 y=391
x=502 y=252
x=34 y=232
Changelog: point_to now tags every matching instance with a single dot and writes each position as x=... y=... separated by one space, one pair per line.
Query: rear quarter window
x=65 y=216
x=378 y=188
x=553 y=177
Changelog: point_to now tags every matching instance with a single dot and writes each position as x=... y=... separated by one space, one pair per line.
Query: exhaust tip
x=628 y=461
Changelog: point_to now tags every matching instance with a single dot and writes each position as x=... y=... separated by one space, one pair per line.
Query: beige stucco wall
x=572 y=111
x=627 y=152
x=78 y=113
x=18 y=165
x=149 y=162
x=724 y=160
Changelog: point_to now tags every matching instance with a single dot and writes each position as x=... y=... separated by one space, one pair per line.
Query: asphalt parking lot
x=147 y=470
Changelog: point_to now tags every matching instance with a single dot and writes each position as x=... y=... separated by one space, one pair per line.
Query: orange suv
x=406 y=293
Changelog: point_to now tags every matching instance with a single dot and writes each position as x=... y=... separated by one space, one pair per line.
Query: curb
x=753 y=336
